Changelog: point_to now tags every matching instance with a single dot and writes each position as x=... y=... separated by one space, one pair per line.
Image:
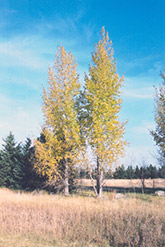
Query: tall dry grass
x=86 y=221
x=126 y=183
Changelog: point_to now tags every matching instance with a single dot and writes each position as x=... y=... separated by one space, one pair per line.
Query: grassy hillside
x=28 y=220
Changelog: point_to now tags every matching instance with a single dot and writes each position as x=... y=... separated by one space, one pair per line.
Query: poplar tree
x=104 y=131
x=56 y=155
x=159 y=133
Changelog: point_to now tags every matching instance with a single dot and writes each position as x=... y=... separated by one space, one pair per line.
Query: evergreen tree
x=11 y=173
x=152 y=171
x=161 y=172
x=3 y=171
x=31 y=179
x=137 y=172
x=104 y=131
x=56 y=156
x=130 y=172
x=120 y=173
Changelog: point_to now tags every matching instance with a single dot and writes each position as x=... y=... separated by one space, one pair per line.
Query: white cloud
x=139 y=87
x=152 y=65
x=20 y=52
x=135 y=155
x=23 y=118
x=144 y=128
x=139 y=93
x=141 y=145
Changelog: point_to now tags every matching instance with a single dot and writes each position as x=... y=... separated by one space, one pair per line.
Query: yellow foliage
x=61 y=129
x=102 y=90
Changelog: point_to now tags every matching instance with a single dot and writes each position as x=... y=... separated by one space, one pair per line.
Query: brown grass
x=49 y=220
x=127 y=183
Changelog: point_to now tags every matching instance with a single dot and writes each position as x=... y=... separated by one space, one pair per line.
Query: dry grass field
x=28 y=220
x=127 y=183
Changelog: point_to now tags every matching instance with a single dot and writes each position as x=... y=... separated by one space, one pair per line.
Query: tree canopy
x=104 y=131
x=159 y=133
x=61 y=130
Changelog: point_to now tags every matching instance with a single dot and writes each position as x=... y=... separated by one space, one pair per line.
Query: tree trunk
x=143 y=185
x=99 y=179
x=66 y=181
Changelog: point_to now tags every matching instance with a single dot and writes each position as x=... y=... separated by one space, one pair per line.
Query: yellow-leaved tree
x=159 y=133
x=56 y=154
x=104 y=131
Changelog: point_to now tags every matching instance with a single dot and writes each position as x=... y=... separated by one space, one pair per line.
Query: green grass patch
x=13 y=240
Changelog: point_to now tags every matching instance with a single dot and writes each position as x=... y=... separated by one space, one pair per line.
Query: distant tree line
x=149 y=171
x=121 y=172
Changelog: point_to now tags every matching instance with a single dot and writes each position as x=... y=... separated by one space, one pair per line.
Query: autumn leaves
x=74 y=119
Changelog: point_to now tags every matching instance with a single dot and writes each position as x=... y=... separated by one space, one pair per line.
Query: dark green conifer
x=11 y=164
x=31 y=179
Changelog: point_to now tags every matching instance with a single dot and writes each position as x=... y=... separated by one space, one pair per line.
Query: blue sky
x=31 y=30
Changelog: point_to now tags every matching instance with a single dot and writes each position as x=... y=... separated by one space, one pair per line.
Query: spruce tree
x=31 y=179
x=130 y=172
x=152 y=171
x=11 y=172
x=137 y=172
x=120 y=172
